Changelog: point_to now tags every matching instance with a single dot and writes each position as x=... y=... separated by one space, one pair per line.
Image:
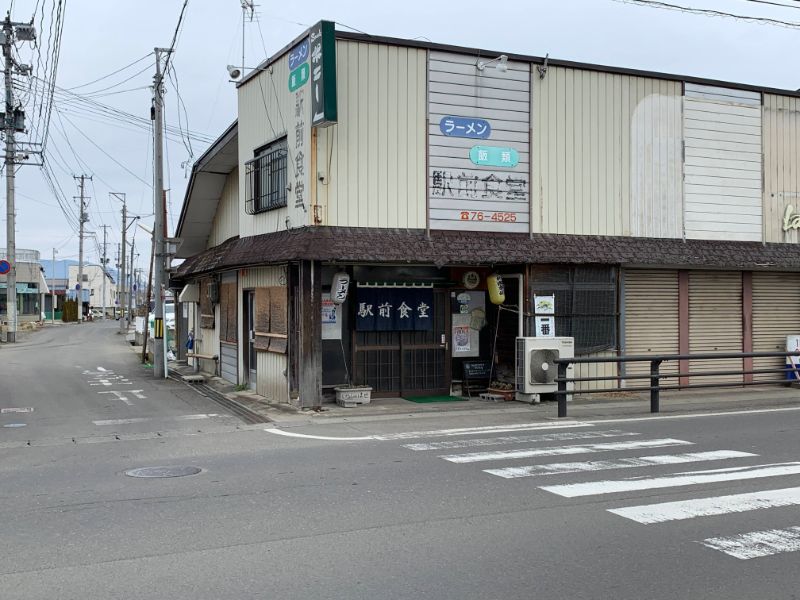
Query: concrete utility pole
x=53 y=290
x=105 y=262
x=159 y=233
x=131 y=302
x=84 y=218
x=121 y=277
x=12 y=122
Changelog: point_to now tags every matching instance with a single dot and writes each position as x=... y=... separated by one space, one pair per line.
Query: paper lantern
x=339 y=287
x=497 y=290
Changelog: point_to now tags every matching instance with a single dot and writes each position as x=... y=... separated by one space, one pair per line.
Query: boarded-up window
x=227 y=313
x=271 y=320
x=206 y=307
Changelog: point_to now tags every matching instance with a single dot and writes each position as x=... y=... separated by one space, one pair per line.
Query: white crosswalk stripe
x=623 y=463
x=757 y=544
x=706 y=507
x=595 y=488
x=563 y=450
x=516 y=439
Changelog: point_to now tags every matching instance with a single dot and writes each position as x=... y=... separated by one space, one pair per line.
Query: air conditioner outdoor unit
x=536 y=369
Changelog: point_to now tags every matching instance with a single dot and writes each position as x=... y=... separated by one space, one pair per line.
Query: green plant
x=241 y=387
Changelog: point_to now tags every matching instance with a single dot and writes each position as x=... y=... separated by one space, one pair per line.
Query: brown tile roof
x=374 y=245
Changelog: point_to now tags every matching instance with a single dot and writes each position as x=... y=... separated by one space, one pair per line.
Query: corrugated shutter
x=651 y=319
x=776 y=314
x=228 y=362
x=715 y=322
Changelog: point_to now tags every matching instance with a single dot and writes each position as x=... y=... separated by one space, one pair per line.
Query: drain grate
x=162 y=472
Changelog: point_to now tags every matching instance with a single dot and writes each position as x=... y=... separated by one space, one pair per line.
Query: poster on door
x=468 y=317
x=331 y=318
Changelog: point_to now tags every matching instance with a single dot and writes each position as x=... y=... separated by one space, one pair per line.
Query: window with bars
x=586 y=303
x=265 y=178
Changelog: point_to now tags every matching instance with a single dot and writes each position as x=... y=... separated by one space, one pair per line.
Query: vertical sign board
x=299 y=136
x=322 y=37
x=478 y=144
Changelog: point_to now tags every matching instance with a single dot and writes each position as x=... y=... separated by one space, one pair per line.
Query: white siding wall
x=271 y=381
x=267 y=113
x=226 y=220
x=606 y=154
x=781 y=165
x=374 y=157
x=722 y=129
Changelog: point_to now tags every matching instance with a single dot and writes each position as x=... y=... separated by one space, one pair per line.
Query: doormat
x=430 y=399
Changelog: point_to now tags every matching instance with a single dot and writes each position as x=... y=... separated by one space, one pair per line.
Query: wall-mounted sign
x=485 y=187
x=394 y=309
x=791 y=219
x=322 y=39
x=339 y=287
x=298 y=77
x=471 y=280
x=298 y=55
x=544 y=305
x=545 y=327
x=494 y=156
x=331 y=319
x=467 y=127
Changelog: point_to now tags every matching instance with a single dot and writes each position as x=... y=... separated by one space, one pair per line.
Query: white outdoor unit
x=536 y=368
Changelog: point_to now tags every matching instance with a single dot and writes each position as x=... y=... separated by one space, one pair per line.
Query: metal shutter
x=228 y=362
x=776 y=314
x=651 y=320
x=715 y=322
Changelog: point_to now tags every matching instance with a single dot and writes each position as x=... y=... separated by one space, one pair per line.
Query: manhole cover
x=163 y=471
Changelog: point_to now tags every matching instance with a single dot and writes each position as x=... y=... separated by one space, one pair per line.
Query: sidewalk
x=590 y=406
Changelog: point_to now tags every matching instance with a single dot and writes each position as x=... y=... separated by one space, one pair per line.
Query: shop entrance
x=407 y=363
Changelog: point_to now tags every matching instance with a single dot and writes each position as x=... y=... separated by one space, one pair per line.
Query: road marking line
x=622 y=463
x=513 y=439
x=138 y=394
x=757 y=544
x=100 y=369
x=573 y=490
x=119 y=396
x=25 y=409
x=722 y=413
x=559 y=450
x=435 y=432
x=147 y=419
x=707 y=507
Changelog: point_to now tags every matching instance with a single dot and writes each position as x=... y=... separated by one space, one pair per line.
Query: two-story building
x=653 y=212
x=31 y=287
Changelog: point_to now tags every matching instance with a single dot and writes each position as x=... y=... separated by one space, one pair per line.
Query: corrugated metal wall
x=374 y=158
x=776 y=314
x=651 y=320
x=226 y=219
x=267 y=113
x=722 y=129
x=271 y=367
x=715 y=322
x=606 y=147
x=596 y=370
x=207 y=342
x=781 y=133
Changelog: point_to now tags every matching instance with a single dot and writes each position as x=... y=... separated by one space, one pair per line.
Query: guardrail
x=656 y=376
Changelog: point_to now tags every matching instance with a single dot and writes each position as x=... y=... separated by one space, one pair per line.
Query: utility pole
x=12 y=122
x=131 y=302
x=105 y=262
x=159 y=233
x=121 y=277
x=53 y=291
x=84 y=218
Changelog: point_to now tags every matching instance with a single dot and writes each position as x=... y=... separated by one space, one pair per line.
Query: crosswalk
x=538 y=449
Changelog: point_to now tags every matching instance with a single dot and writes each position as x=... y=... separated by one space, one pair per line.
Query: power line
x=711 y=13
x=768 y=2
x=128 y=66
x=175 y=37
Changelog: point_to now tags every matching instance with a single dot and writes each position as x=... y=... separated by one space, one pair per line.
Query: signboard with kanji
x=322 y=39
x=394 y=309
x=478 y=144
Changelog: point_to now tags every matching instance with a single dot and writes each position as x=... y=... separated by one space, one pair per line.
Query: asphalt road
x=704 y=507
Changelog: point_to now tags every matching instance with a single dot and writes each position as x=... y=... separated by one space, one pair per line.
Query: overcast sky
x=101 y=37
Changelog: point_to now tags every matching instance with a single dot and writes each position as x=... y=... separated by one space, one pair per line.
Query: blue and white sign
x=298 y=55
x=5 y=267
x=467 y=127
x=494 y=156
x=394 y=309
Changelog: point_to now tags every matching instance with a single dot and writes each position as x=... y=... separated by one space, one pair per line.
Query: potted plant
x=500 y=388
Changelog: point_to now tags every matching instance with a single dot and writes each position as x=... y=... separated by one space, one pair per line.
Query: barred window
x=266 y=180
x=586 y=303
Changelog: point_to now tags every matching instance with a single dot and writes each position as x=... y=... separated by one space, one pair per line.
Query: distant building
x=31 y=287
x=92 y=287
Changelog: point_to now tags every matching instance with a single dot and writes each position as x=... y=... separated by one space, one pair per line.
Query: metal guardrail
x=656 y=376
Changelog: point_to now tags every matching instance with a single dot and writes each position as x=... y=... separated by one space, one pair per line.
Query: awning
x=189 y=293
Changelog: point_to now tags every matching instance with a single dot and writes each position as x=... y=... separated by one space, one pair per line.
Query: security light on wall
x=234 y=72
x=501 y=66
